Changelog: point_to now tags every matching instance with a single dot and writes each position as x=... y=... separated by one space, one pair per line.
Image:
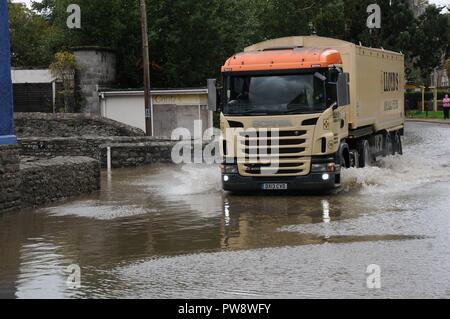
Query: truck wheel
x=365 y=154
x=388 y=145
x=344 y=162
x=344 y=156
x=398 y=147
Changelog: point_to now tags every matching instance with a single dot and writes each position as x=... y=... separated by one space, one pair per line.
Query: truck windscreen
x=275 y=94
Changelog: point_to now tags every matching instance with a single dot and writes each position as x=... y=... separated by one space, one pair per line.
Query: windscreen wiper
x=256 y=113
x=299 y=111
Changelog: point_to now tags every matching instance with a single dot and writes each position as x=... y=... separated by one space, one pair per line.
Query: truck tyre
x=365 y=154
x=388 y=145
x=344 y=156
x=398 y=147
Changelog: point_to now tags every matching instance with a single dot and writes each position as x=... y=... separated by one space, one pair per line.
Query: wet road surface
x=170 y=232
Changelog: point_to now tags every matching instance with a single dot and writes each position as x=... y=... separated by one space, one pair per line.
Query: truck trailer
x=295 y=111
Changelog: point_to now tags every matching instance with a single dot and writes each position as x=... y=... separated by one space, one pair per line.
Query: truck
x=296 y=111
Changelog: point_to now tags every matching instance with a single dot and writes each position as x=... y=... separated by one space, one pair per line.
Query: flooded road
x=170 y=232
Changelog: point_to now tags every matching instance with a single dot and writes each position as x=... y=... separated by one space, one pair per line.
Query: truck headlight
x=319 y=168
x=324 y=167
x=230 y=169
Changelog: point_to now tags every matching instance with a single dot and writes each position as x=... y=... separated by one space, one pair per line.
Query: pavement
x=437 y=121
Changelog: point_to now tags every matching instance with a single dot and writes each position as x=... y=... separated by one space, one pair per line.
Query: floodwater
x=170 y=232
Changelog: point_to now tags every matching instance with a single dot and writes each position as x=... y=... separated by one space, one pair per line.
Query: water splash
x=420 y=165
x=188 y=180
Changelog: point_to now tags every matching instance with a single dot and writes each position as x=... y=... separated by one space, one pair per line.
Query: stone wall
x=9 y=179
x=47 y=181
x=137 y=154
x=70 y=125
x=125 y=151
x=38 y=182
x=60 y=146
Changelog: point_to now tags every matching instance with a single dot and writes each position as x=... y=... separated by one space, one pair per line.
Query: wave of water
x=426 y=160
x=189 y=179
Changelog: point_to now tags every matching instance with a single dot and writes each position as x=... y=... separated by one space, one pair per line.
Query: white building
x=174 y=108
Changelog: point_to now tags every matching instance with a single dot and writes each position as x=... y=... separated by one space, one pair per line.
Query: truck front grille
x=272 y=151
x=281 y=153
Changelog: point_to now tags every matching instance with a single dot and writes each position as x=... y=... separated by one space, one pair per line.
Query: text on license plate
x=275 y=186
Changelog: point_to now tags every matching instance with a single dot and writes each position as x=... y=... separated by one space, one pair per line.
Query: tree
x=430 y=42
x=46 y=8
x=281 y=18
x=331 y=11
x=63 y=68
x=30 y=35
x=190 y=39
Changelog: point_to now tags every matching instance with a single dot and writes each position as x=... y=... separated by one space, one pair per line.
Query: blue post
x=7 y=135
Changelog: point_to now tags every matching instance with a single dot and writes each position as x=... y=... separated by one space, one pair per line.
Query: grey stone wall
x=47 y=181
x=96 y=67
x=60 y=146
x=41 y=181
x=137 y=154
x=68 y=125
x=10 y=198
x=48 y=147
x=125 y=151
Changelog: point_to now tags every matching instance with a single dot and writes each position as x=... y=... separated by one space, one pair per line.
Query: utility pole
x=146 y=59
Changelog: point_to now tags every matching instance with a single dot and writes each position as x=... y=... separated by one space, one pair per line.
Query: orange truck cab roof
x=282 y=59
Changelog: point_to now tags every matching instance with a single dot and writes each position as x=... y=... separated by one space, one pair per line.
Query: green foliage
x=46 y=9
x=430 y=41
x=30 y=35
x=190 y=40
x=63 y=68
x=331 y=11
x=425 y=115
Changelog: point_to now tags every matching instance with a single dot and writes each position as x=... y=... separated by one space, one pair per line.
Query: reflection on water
x=167 y=231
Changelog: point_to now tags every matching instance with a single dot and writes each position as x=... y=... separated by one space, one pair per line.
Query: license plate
x=275 y=187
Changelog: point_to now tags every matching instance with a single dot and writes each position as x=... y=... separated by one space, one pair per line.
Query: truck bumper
x=311 y=182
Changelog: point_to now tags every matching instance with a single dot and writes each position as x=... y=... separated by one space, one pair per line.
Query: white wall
x=125 y=109
x=172 y=109
x=31 y=76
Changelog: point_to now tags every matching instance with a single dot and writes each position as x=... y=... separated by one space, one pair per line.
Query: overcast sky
x=439 y=2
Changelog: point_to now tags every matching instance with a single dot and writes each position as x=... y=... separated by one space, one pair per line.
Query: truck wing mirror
x=331 y=94
x=342 y=90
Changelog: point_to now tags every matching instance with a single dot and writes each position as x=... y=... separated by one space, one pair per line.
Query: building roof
x=19 y=76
